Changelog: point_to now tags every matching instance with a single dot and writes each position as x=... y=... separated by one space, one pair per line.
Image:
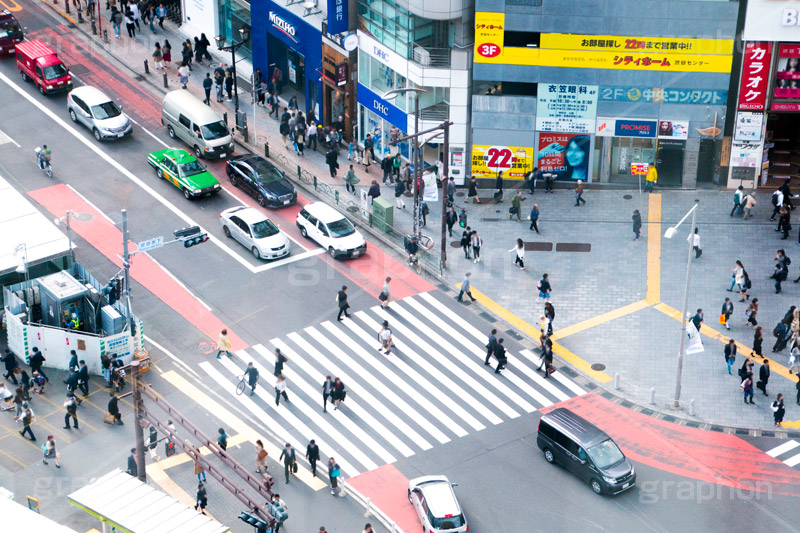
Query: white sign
x=673 y=129
x=748 y=126
x=772 y=20
x=150 y=244
x=566 y=108
x=365 y=203
x=431 y=192
x=605 y=127
x=694 y=342
x=388 y=57
x=350 y=42
x=278 y=22
x=746 y=154
x=201 y=15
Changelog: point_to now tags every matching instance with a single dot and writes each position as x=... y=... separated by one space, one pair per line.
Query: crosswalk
x=433 y=388
x=788 y=453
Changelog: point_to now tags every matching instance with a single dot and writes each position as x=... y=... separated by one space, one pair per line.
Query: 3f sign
x=488 y=50
x=790 y=17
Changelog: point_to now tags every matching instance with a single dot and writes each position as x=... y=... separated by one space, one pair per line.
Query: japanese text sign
x=755 y=76
x=513 y=161
x=639 y=169
x=337 y=16
x=566 y=108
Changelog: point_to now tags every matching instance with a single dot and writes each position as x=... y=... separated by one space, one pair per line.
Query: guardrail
x=379 y=515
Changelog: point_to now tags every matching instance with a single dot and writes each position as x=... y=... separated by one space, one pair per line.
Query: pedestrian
x=451 y=189
x=386 y=295
x=300 y=139
x=515 y=208
x=498 y=185
x=341 y=300
x=50 y=451
x=368 y=153
x=27 y=419
x=72 y=383
x=738 y=275
x=10 y=363
x=338 y=393
x=746 y=368
x=19 y=398
x=374 y=191
x=652 y=177
x=116 y=21
x=198 y=58
x=280 y=360
x=778 y=409
x=490 y=345
x=200 y=471
x=201 y=498
x=129 y=24
x=229 y=84
x=251 y=373
x=777 y=203
x=73 y=361
x=726 y=312
x=134 y=9
x=113 y=408
x=150 y=15
x=38 y=383
x=386 y=166
x=500 y=355
x=261 y=457
x=396 y=164
x=161 y=13
x=219 y=81
x=37 y=360
x=311 y=137
x=423 y=211
x=327 y=390
x=157 y=56
x=405 y=176
x=579 y=194
x=284 y=129
x=752 y=311
x=368 y=529
x=186 y=53
x=289 y=460
x=694 y=239
x=550 y=315
x=532 y=177
x=399 y=191
x=280 y=389
x=183 y=73
x=223 y=344
x=208 y=83
x=333 y=474
x=450 y=218
x=152 y=443
x=331 y=158
x=385 y=338
x=465 y=288
x=83 y=378
x=763 y=377
x=133 y=469
x=476 y=242
x=544 y=288
x=534 y=217
x=222 y=440
x=350 y=180
x=71 y=407
x=697 y=319
x=549 y=178
x=749 y=202
x=520 y=254
x=472 y=191
x=758 y=340
x=779 y=275
x=784 y=222
x=312 y=455
x=465 y=242
x=738 y=200
x=747 y=388
x=797 y=386
x=730 y=354
x=7 y=398
x=637 y=224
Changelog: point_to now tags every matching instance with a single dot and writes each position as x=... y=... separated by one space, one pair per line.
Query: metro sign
x=489 y=50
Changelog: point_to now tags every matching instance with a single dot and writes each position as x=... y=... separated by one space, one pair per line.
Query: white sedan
x=255 y=232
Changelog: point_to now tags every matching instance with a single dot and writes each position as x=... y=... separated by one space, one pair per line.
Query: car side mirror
x=454 y=484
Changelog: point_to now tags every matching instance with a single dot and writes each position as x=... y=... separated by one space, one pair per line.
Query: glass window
x=106 y=110
x=605 y=454
x=382 y=77
x=215 y=130
x=264 y=228
x=363 y=67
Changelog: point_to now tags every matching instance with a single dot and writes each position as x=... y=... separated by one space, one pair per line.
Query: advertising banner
x=673 y=129
x=755 y=76
x=566 y=108
x=748 y=126
x=337 y=16
x=772 y=20
x=388 y=111
x=625 y=127
x=660 y=95
x=567 y=155
x=605 y=43
x=513 y=161
x=787 y=72
x=640 y=169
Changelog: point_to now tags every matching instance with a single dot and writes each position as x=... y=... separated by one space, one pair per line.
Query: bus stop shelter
x=121 y=501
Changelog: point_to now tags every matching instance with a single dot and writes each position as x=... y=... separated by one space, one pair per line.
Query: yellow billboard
x=635 y=45
x=513 y=161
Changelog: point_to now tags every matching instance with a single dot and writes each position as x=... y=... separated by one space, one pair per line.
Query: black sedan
x=262 y=180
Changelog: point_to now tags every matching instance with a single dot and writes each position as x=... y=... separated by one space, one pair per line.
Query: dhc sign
x=392 y=114
x=282 y=25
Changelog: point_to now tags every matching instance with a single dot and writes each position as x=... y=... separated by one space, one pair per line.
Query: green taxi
x=184 y=171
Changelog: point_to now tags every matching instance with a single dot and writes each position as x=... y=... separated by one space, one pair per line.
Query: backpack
x=786 y=260
x=775 y=198
x=747 y=283
x=778 y=331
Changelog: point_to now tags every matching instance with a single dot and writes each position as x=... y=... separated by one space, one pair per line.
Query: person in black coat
x=500 y=355
x=451 y=218
x=37 y=360
x=490 y=346
x=498 y=184
x=331 y=158
x=113 y=408
x=10 y=363
x=730 y=354
x=374 y=190
x=337 y=393
x=637 y=224
x=72 y=383
x=83 y=378
x=280 y=359
x=779 y=410
x=763 y=376
x=341 y=299
x=133 y=469
x=727 y=311
x=312 y=454
x=547 y=357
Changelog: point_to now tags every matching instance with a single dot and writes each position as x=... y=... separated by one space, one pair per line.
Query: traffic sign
x=150 y=244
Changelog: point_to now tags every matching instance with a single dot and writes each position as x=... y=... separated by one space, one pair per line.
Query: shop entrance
x=669 y=162
x=626 y=151
x=783 y=132
x=292 y=71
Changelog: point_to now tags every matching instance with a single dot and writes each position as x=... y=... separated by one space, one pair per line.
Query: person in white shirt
x=520 y=249
x=385 y=336
x=280 y=389
x=694 y=238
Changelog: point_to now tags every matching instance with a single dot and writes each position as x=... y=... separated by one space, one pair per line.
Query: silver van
x=190 y=120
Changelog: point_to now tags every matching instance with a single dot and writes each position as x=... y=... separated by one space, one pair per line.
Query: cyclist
x=44 y=156
x=411 y=249
x=251 y=373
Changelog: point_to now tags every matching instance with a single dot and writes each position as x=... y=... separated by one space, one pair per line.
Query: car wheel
x=24 y=76
x=234 y=181
x=97 y=134
x=332 y=252
x=548 y=456
x=255 y=253
x=303 y=232
x=73 y=116
x=41 y=90
x=197 y=152
x=171 y=132
x=186 y=194
x=160 y=173
x=409 y=497
x=597 y=488
x=226 y=231
x=261 y=200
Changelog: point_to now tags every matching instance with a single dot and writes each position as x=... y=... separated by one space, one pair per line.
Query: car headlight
x=216 y=186
x=632 y=470
x=610 y=480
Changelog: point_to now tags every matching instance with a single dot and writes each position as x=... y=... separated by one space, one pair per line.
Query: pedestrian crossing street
x=788 y=453
x=432 y=389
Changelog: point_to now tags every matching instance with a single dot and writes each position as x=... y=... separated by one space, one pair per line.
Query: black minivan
x=585 y=450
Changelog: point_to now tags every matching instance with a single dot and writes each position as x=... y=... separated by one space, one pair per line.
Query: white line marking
x=171 y=356
x=559 y=376
x=179 y=282
x=236 y=197
x=792 y=460
x=150 y=133
x=82 y=197
x=6 y=138
x=783 y=448
x=287 y=260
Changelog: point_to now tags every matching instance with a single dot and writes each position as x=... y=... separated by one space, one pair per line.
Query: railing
x=379 y=515
x=431 y=57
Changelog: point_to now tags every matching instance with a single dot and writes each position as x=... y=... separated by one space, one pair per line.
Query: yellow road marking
x=237 y=425
x=179 y=459
x=599 y=319
x=11 y=5
x=708 y=331
x=534 y=332
x=653 y=249
x=173 y=489
x=795 y=424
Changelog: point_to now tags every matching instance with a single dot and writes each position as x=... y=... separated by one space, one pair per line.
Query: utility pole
x=445 y=180
x=417 y=163
x=126 y=265
x=137 y=428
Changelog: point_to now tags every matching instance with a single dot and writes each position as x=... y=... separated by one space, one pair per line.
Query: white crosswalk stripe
x=789 y=452
x=783 y=448
x=431 y=389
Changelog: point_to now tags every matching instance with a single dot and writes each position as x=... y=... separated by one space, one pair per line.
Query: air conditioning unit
x=422 y=56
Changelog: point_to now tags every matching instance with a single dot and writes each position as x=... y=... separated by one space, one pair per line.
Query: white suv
x=90 y=107
x=331 y=229
x=436 y=505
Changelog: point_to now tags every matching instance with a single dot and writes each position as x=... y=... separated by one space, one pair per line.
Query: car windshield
x=605 y=454
x=106 y=110
x=192 y=167
x=341 y=228
x=266 y=173
x=265 y=228
x=55 y=71
x=10 y=28
x=215 y=130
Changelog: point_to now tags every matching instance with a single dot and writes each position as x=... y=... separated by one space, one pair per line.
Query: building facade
x=595 y=90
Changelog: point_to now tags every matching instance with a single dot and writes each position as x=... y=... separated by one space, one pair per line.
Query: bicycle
x=413 y=262
x=44 y=159
x=242 y=385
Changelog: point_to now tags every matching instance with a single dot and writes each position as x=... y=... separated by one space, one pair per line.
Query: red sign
x=638 y=169
x=755 y=75
x=489 y=50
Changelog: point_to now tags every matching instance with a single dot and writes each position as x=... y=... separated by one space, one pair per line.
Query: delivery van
x=190 y=120
x=39 y=63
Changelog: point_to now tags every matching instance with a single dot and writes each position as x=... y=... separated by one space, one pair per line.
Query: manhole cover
x=455 y=244
x=460 y=194
x=82 y=217
x=599 y=367
x=538 y=246
x=573 y=247
x=627 y=197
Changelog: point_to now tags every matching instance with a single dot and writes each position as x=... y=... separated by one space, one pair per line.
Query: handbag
x=262 y=454
x=108 y=418
x=294 y=467
x=722 y=319
x=382 y=296
x=551 y=369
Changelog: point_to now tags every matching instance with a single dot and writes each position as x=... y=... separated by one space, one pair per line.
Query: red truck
x=10 y=32
x=38 y=62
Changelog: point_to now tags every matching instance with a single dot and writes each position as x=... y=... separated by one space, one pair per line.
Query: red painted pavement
x=387 y=490
x=107 y=239
x=709 y=456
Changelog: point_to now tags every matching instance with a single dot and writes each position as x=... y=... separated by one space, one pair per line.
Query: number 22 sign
x=513 y=161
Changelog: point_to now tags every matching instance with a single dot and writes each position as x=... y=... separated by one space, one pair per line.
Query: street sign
x=639 y=169
x=694 y=342
x=150 y=244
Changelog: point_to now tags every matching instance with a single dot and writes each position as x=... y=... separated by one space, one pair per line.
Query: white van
x=190 y=120
x=330 y=229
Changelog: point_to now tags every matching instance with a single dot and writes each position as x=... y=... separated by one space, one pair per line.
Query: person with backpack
x=544 y=289
x=333 y=474
x=738 y=200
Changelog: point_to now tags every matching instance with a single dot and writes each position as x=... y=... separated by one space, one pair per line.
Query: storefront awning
x=135 y=507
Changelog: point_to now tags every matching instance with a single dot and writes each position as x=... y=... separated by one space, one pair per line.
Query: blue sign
x=635 y=128
x=391 y=113
x=337 y=16
x=661 y=95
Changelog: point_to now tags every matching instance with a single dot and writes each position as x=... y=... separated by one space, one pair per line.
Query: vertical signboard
x=337 y=16
x=755 y=76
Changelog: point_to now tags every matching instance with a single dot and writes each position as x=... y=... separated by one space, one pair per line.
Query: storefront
x=382 y=120
x=289 y=46
x=234 y=15
x=338 y=87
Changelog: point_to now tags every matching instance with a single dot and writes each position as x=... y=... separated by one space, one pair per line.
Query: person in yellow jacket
x=652 y=177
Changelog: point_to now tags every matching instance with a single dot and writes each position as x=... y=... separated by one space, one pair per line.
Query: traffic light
x=118 y=288
x=110 y=293
x=191 y=236
x=253 y=520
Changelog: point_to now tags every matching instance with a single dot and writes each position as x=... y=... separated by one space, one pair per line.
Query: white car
x=255 y=231
x=331 y=229
x=436 y=505
x=90 y=107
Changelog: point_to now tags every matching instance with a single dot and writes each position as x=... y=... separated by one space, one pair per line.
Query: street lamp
x=670 y=233
x=23 y=268
x=244 y=34
x=65 y=220
x=391 y=95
